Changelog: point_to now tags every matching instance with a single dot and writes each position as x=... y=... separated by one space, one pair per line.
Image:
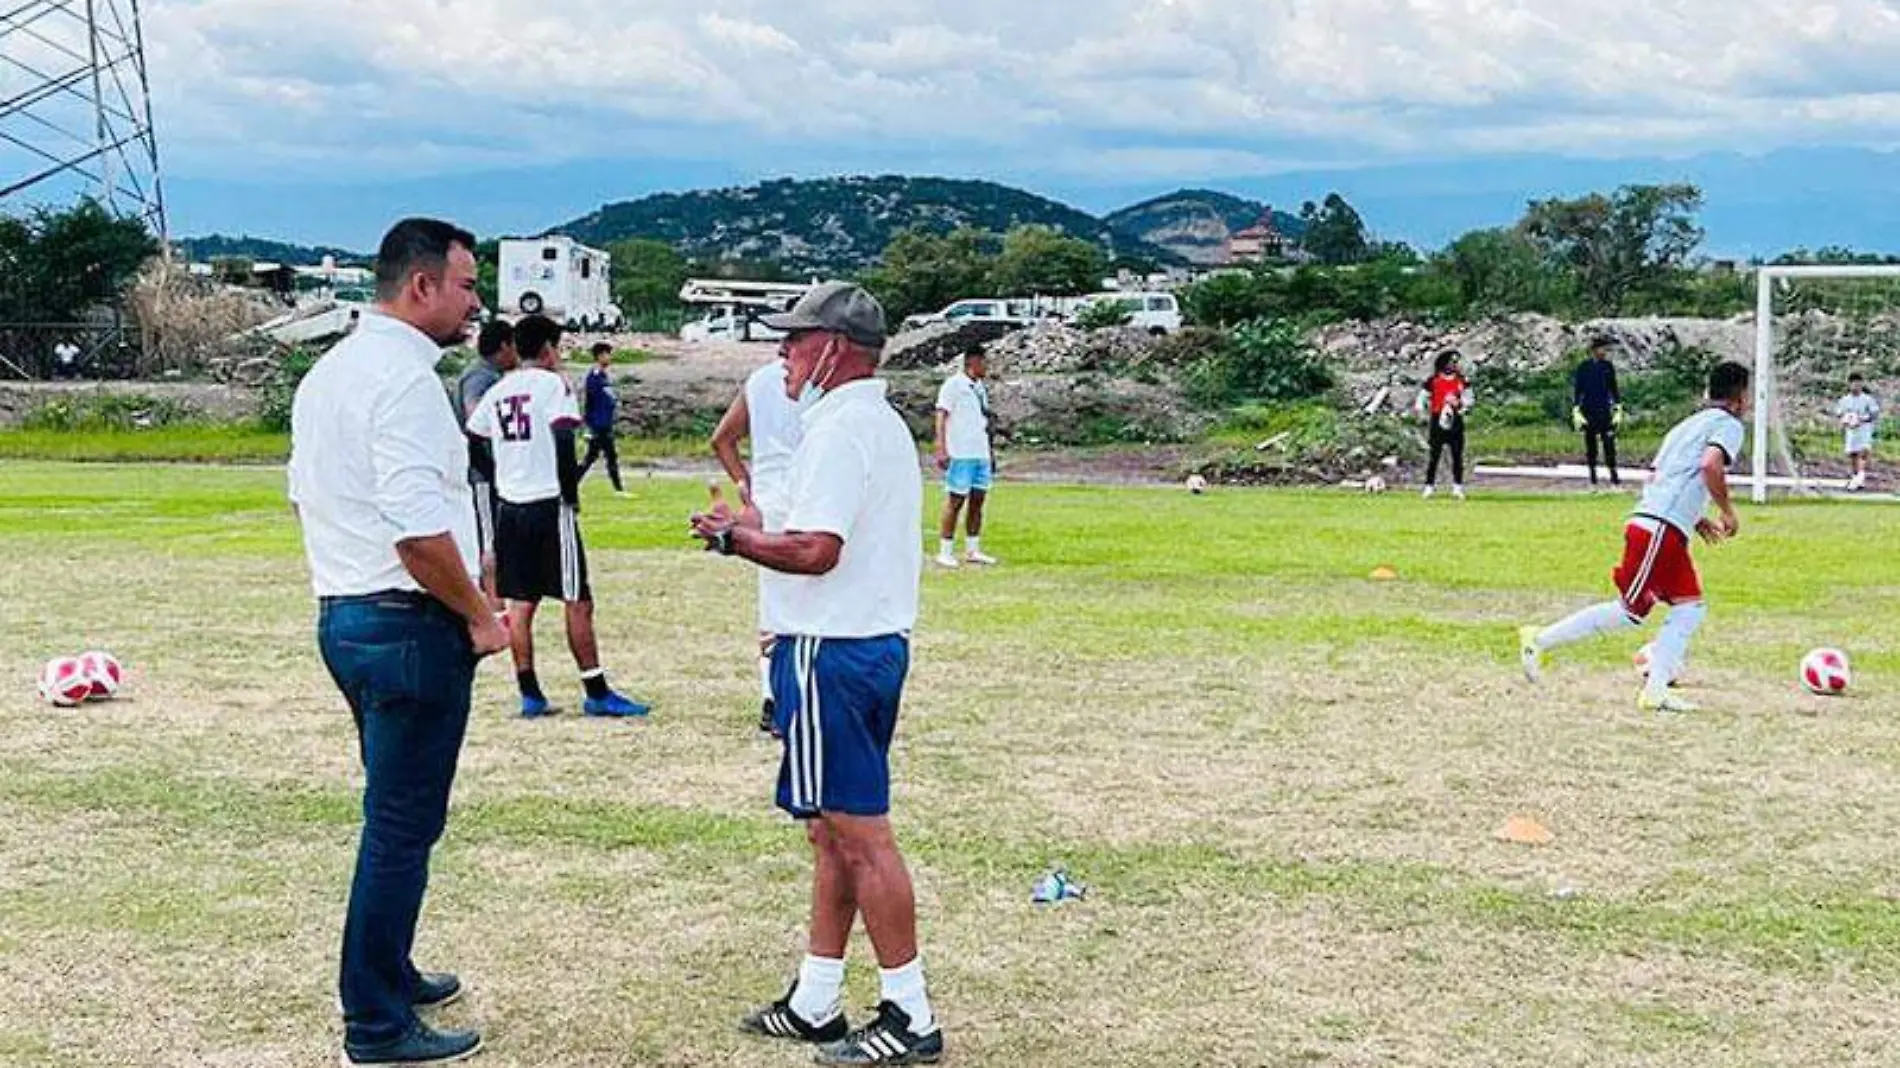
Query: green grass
x=233 y=444
x=1280 y=779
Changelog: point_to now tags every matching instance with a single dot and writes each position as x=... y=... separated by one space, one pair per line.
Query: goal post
x=1767 y=417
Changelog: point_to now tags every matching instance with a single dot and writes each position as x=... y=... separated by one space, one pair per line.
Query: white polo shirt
x=968 y=403
x=775 y=431
x=518 y=416
x=1676 y=493
x=376 y=457
x=855 y=475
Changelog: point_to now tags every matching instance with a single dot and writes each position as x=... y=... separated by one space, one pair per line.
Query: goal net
x=1815 y=326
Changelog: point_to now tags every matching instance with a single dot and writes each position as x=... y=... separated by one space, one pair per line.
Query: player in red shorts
x=1690 y=472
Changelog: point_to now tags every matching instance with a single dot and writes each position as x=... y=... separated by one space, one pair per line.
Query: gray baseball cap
x=839 y=308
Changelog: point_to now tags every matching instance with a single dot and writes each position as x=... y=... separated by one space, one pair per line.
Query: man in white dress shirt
x=379 y=478
x=850 y=557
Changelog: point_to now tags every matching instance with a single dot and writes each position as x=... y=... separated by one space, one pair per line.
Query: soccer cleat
x=1430 y=492
x=777 y=1020
x=980 y=559
x=768 y=718
x=1668 y=702
x=613 y=706
x=1531 y=656
x=886 y=1040
x=535 y=708
x=1458 y=493
x=947 y=561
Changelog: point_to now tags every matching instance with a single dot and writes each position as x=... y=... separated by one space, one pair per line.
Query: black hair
x=975 y=352
x=1443 y=362
x=495 y=335
x=601 y=348
x=535 y=333
x=1729 y=381
x=412 y=245
x=1856 y=377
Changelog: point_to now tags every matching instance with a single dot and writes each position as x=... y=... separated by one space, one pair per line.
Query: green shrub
x=1263 y=360
x=108 y=411
x=1105 y=315
x=274 y=400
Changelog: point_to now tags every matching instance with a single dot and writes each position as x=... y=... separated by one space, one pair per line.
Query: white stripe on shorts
x=570 y=556
x=804 y=739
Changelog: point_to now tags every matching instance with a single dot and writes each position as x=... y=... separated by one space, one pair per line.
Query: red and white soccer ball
x=1826 y=672
x=63 y=682
x=1643 y=656
x=102 y=672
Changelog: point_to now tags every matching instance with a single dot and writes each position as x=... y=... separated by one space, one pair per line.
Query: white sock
x=947 y=547
x=1606 y=618
x=972 y=543
x=1672 y=645
x=905 y=987
x=820 y=989
x=765 y=677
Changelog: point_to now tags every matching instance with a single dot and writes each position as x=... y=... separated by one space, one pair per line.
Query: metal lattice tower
x=75 y=107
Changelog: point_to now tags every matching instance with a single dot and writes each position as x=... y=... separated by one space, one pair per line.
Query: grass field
x=1282 y=782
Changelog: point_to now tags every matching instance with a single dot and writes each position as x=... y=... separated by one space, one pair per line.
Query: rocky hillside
x=1195 y=223
x=834 y=224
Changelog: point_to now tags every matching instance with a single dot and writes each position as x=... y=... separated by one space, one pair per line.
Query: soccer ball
x=1826 y=672
x=1851 y=420
x=1647 y=653
x=1196 y=485
x=1375 y=484
x=102 y=672
x=63 y=682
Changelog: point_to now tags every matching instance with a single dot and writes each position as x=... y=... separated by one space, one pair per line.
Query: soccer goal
x=1814 y=326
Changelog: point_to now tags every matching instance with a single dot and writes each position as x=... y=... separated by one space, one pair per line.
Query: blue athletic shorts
x=967 y=476
x=837 y=701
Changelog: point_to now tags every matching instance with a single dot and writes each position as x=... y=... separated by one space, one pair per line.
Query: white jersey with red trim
x=518 y=416
x=1676 y=493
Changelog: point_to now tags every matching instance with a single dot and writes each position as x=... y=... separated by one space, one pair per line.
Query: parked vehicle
x=1157 y=313
x=560 y=278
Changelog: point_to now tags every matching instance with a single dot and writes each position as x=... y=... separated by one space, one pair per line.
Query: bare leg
x=952 y=506
x=974 y=526
x=521 y=634
x=834 y=907
x=580 y=635
x=880 y=885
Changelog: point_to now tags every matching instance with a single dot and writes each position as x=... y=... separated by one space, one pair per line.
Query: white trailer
x=560 y=278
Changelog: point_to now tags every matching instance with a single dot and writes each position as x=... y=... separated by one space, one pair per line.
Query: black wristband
x=722 y=542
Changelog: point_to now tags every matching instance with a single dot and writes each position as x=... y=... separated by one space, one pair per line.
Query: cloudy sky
x=1087 y=99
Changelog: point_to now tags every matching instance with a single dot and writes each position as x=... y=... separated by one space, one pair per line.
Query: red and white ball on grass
x=103 y=672
x=1826 y=672
x=63 y=682
x=1647 y=653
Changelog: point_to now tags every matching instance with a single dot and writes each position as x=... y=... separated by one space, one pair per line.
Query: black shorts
x=538 y=552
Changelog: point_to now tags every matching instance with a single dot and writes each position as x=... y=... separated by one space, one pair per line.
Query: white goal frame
x=1766 y=277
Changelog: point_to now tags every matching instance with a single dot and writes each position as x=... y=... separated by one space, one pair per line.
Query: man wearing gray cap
x=850 y=547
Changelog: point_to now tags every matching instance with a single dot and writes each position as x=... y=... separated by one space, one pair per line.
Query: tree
x=647 y=276
x=924 y=271
x=1503 y=270
x=488 y=272
x=1226 y=299
x=60 y=263
x=1335 y=234
x=1625 y=248
x=1041 y=260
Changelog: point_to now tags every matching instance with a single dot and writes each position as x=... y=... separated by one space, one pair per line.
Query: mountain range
x=844 y=224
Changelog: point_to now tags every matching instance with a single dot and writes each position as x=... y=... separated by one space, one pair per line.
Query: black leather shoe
x=422 y=1045
x=436 y=989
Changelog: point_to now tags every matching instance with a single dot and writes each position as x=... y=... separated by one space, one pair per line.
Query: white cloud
x=1090 y=85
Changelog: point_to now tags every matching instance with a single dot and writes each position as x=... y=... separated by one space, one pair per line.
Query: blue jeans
x=405 y=664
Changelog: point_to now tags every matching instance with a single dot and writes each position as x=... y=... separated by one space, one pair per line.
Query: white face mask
x=812 y=392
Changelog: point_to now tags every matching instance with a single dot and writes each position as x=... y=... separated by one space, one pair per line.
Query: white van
x=1157 y=313
x=560 y=278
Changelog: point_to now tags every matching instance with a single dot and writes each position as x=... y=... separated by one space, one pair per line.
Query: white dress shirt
x=855 y=475
x=376 y=457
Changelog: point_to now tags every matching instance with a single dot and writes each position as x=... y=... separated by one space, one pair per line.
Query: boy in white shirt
x=1859 y=414
x=1690 y=473
x=963 y=454
x=527 y=421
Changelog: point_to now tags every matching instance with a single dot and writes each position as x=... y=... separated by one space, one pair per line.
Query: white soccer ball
x=1826 y=672
x=102 y=672
x=1851 y=420
x=1375 y=484
x=63 y=682
x=1196 y=485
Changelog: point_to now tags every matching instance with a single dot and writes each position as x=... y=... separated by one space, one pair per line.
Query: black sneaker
x=885 y=1040
x=422 y=1045
x=435 y=990
x=777 y=1020
x=768 y=718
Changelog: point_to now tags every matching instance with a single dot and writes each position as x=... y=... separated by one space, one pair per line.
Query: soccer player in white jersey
x=1859 y=414
x=528 y=420
x=1690 y=472
x=764 y=414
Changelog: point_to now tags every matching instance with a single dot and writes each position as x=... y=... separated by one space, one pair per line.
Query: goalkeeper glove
x=1616 y=416
x=1576 y=418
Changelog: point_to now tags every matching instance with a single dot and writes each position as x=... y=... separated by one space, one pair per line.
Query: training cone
x=1384 y=574
x=1522 y=830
